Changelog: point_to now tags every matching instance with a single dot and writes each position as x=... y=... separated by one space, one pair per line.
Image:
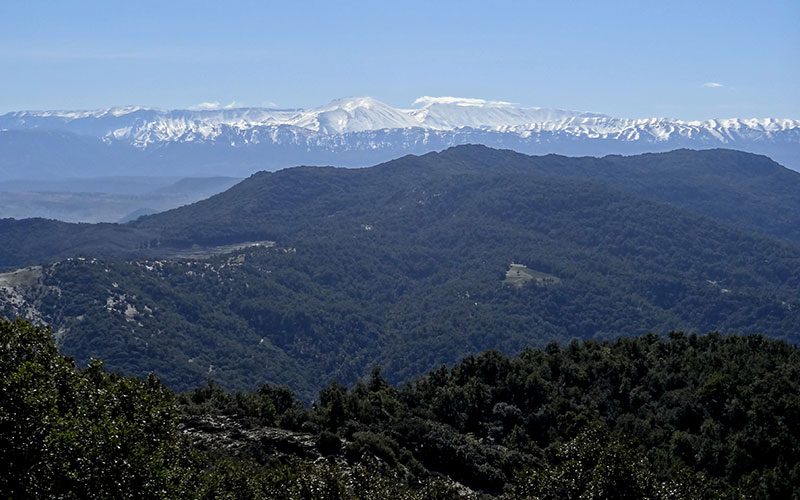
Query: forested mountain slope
x=740 y=189
x=406 y=265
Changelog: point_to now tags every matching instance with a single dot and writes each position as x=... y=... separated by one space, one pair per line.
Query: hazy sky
x=689 y=60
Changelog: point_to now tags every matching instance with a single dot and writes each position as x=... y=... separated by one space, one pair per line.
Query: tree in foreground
x=72 y=433
x=598 y=465
x=82 y=433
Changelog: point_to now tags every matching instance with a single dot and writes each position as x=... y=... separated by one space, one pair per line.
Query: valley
x=103 y=199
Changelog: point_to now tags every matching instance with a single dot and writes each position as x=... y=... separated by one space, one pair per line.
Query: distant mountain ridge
x=354 y=132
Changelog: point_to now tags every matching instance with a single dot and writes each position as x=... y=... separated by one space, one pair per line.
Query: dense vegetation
x=35 y=241
x=746 y=190
x=402 y=265
x=741 y=189
x=75 y=434
x=686 y=417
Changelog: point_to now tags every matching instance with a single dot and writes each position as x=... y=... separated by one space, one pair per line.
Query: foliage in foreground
x=69 y=433
x=81 y=433
x=691 y=417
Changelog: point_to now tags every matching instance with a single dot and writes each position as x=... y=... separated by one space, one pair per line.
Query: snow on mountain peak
x=429 y=118
x=354 y=114
x=458 y=112
x=458 y=101
x=81 y=114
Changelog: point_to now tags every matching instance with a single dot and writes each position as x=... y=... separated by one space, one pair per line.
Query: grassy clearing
x=519 y=274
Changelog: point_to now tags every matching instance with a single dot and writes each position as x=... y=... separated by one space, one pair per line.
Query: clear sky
x=689 y=60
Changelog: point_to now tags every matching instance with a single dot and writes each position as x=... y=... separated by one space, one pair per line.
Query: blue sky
x=688 y=60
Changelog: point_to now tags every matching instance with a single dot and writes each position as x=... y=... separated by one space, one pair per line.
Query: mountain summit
x=355 y=131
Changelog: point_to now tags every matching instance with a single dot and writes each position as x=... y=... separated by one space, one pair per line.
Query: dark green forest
x=684 y=417
x=403 y=266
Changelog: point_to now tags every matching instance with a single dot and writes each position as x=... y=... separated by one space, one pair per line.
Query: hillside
x=740 y=189
x=402 y=265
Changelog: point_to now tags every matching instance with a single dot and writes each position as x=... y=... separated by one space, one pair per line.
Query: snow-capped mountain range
x=362 y=131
